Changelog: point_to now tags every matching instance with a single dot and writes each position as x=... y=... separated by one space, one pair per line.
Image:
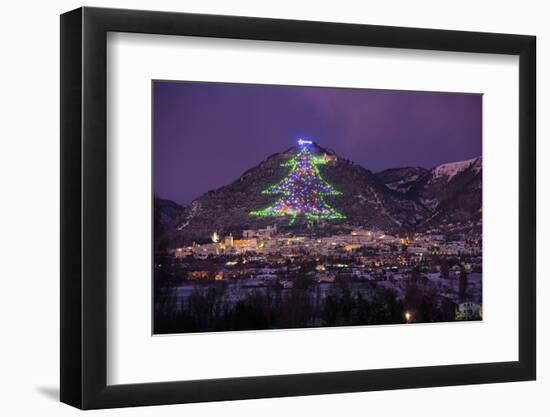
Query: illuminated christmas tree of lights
x=303 y=190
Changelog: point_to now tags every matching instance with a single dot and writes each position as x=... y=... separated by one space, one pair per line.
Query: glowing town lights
x=302 y=142
x=302 y=192
x=215 y=237
x=408 y=317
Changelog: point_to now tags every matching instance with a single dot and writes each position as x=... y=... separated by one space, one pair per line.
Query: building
x=244 y=245
x=468 y=311
x=199 y=275
x=183 y=252
x=228 y=240
x=266 y=233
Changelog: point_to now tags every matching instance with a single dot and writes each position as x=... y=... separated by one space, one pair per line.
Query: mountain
x=445 y=181
x=167 y=210
x=451 y=191
x=400 y=199
x=402 y=179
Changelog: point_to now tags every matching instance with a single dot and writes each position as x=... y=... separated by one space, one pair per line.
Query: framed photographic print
x=257 y=208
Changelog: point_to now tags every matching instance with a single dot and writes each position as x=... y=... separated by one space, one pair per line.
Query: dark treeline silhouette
x=207 y=309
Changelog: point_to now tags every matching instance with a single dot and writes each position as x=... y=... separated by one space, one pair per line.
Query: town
x=432 y=275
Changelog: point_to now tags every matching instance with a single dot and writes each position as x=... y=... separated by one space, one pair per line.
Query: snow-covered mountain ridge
x=449 y=170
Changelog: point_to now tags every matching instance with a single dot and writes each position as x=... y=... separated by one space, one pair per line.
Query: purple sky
x=206 y=135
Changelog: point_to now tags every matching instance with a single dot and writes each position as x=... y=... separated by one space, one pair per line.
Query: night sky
x=206 y=135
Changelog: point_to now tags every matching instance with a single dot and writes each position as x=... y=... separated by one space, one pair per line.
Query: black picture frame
x=84 y=207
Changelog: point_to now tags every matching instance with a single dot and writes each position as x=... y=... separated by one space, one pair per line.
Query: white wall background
x=29 y=225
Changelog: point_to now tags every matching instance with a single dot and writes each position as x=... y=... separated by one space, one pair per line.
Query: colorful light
x=304 y=142
x=303 y=191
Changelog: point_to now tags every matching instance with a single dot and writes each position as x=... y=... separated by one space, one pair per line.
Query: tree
x=462 y=283
x=444 y=268
x=302 y=191
x=415 y=275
